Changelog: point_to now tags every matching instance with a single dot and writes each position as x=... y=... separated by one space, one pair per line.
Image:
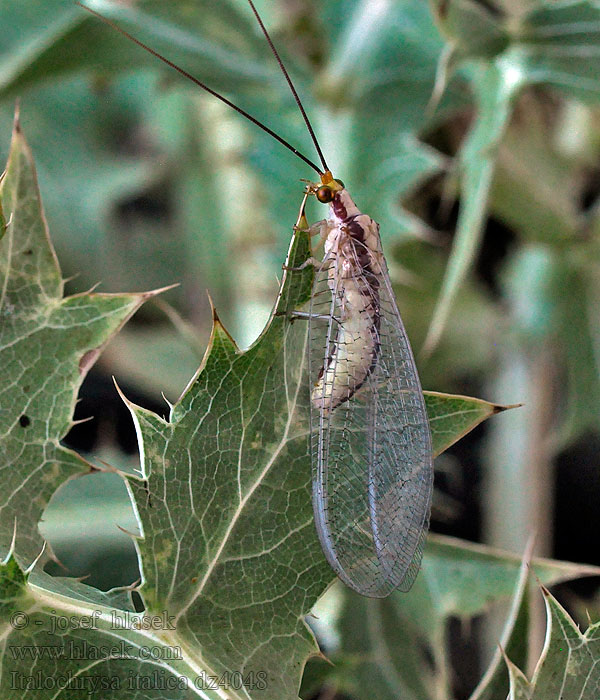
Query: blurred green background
x=469 y=130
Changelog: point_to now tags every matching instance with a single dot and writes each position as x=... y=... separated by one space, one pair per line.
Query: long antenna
x=291 y=85
x=202 y=85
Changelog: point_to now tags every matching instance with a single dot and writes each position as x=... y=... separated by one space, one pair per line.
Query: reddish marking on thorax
x=351 y=226
x=338 y=207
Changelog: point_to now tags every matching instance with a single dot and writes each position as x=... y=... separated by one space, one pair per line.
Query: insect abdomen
x=356 y=343
x=350 y=363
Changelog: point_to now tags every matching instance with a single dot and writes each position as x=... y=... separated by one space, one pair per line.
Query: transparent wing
x=372 y=457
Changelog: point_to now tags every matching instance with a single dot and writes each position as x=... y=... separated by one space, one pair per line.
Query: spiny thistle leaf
x=47 y=345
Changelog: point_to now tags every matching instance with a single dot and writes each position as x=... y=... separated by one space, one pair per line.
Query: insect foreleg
x=293 y=315
x=315 y=262
x=319 y=228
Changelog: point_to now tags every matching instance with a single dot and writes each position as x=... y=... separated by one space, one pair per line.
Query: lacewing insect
x=370 y=439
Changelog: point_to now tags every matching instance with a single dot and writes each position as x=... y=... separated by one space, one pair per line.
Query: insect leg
x=319 y=228
x=315 y=262
x=324 y=264
x=307 y=315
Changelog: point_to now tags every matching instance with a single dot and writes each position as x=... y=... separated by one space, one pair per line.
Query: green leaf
x=474 y=576
x=472 y=28
x=551 y=290
x=575 y=314
x=380 y=658
x=554 y=44
x=535 y=188
x=387 y=646
x=452 y=417
x=559 y=46
x=47 y=345
x=494 y=685
x=229 y=543
x=519 y=685
x=384 y=56
x=29 y=28
x=61 y=636
x=568 y=667
x=75 y=39
x=12 y=583
x=496 y=86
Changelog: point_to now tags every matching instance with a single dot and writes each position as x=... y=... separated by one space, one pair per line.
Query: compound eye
x=341 y=184
x=324 y=194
